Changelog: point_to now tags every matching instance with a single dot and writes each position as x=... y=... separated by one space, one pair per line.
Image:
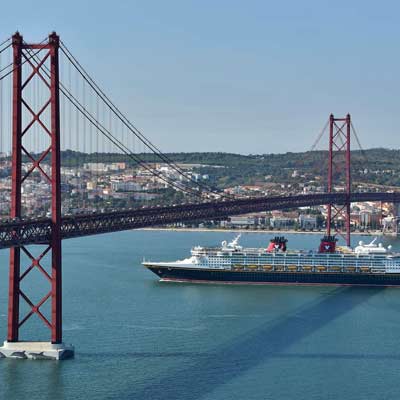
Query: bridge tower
x=339 y=165
x=44 y=65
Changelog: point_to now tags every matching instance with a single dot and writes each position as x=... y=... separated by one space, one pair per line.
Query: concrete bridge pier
x=36 y=350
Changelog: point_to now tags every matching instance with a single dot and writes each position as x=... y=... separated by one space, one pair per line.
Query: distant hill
x=375 y=166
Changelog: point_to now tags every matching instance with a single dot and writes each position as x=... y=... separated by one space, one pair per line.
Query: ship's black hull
x=261 y=277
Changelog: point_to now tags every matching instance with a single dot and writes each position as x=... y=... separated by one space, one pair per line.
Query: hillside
x=374 y=166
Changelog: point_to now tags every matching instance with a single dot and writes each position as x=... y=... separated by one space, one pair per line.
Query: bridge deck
x=39 y=230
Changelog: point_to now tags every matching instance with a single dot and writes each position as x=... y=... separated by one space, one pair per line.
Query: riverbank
x=270 y=232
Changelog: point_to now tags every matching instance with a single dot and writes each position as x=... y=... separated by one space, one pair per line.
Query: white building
x=281 y=222
x=121 y=186
x=307 y=221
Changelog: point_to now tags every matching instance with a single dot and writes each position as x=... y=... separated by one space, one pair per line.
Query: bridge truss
x=39 y=231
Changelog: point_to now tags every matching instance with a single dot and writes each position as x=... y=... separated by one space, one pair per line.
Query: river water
x=137 y=338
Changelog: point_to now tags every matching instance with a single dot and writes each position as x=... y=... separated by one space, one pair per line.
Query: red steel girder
x=339 y=157
x=48 y=51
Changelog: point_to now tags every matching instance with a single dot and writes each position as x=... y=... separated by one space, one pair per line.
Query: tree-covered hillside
x=376 y=166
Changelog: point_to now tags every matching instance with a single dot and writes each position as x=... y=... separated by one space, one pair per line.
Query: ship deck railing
x=326 y=261
x=308 y=268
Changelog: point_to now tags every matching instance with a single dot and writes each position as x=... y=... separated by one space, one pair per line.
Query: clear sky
x=235 y=76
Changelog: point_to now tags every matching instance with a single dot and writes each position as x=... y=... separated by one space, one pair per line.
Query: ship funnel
x=328 y=244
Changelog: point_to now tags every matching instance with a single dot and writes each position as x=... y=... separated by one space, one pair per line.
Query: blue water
x=136 y=338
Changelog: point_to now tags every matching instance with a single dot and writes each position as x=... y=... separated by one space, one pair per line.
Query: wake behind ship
x=368 y=264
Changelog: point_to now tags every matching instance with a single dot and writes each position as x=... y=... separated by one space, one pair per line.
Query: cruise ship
x=367 y=264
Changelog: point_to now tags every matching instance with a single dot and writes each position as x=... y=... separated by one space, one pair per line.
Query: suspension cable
x=113 y=139
x=122 y=147
x=358 y=141
x=132 y=128
x=5 y=48
x=319 y=137
x=106 y=99
x=135 y=131
x=5 y=41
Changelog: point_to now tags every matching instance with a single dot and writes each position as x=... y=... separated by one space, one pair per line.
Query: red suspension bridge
x=58 y=126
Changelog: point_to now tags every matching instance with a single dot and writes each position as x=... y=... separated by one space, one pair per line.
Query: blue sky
x=236 y=76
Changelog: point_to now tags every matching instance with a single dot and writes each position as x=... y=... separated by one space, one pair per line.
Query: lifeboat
x=372 y=248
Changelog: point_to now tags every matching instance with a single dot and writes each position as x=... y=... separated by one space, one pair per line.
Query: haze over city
x=194 y=73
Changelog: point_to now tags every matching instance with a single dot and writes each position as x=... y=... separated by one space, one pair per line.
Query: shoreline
x=288 y=231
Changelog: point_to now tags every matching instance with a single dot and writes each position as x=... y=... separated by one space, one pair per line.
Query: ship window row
x=300 y=255
x=312 y=262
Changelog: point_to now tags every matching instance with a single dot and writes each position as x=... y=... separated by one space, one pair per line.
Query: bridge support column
x=339 y=146
x=43 y=60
